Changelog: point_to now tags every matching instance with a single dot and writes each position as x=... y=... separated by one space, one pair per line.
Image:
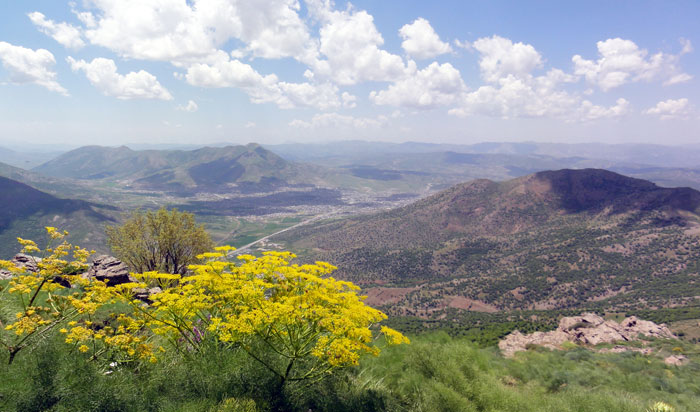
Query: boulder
x=676 y=360
x=26 y=262
x=5 y=274
x=110 y=270
x=586 y=329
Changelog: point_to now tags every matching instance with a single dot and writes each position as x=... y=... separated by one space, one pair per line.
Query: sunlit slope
x=249 y=168
x=551 y=239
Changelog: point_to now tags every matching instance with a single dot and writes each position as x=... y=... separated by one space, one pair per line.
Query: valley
x=401 y=221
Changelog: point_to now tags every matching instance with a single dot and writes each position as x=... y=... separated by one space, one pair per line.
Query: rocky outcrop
x=110 y=270
x=587 y=329
x=26 y=262
x=676 y=360
x=22 y=261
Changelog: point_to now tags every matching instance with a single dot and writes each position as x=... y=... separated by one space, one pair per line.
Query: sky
x=113 y=72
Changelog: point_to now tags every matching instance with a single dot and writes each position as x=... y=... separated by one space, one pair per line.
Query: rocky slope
x=587 y=329
x=557 y=239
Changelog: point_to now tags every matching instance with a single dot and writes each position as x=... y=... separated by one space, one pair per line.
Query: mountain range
x=553 y=239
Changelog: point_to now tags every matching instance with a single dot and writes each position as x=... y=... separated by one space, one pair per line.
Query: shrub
x=165 y=241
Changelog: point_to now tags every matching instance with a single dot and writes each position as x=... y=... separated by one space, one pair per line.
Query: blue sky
x=210 y=71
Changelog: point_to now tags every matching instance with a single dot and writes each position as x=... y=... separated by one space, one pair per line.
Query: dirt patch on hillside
x=378 y=296
x=460 y=302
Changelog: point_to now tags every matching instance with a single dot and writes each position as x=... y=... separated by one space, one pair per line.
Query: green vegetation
x=166 y=241
x=434 y=373
x=555 y=240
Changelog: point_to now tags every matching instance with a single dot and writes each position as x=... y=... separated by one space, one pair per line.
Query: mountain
x=249 y=168
x=553 y=239
x=446 y=164
x=686 y=156
x=27 y=158
x=169 y=169
x=25 y=211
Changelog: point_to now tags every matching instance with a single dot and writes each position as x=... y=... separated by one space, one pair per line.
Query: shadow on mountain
x=19 y=201
x=597 y=190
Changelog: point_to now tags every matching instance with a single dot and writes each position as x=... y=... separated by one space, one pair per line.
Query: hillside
x=556 y=239
x=248 y=168
x=24 y=211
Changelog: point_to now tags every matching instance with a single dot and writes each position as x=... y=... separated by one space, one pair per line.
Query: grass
x=434 y=373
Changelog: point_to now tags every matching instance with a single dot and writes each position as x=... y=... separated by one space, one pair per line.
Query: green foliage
x=165 y=241
x=434 y=373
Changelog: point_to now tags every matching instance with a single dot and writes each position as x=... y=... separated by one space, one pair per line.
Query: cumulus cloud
x=30 y=66
x=349 y=45
x=179 y=31
x=621 y=61
x=436 y=85
x=262 y=88
x=420 y=40
x=501 y=57
x=349 y=101
x=64 y=33
x=670 y=109
x=514 y=91
x=102 y=73
x=590 y=111
x=190 y=107
x=335 y=120
x=463 y=44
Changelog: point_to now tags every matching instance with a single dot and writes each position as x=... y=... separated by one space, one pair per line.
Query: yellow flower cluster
x=298 y=311
x=39 y=295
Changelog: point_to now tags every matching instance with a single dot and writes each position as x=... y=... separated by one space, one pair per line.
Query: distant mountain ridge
x=172 y=169
x=551 y=239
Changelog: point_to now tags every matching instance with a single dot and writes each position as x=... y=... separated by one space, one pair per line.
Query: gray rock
x=676 y=360
x=110 y=270
x=587 y=329
x=26 y=262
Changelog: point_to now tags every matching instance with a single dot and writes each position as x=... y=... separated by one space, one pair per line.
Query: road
x=304 y=222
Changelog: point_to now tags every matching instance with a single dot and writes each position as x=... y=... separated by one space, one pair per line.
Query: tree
x=165 y=241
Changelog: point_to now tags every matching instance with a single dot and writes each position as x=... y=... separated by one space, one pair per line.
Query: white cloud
x=102 y=73
x=335 y=120
x=262 y=88
x=500 y=57
x=349 y=101
x=589 y=111
x=191 y=107
x=64 y=33
x=463 y=44
x=513 y=90
x=182 y=32
x=421 y=41
x=670 y=109
x=30 y=66
x=436 y=85
x=622 y=61
x=350 y=42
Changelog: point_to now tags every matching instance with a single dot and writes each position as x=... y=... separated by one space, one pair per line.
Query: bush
x=164 y=241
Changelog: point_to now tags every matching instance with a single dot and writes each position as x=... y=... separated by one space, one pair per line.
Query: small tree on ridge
x=165 y=241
